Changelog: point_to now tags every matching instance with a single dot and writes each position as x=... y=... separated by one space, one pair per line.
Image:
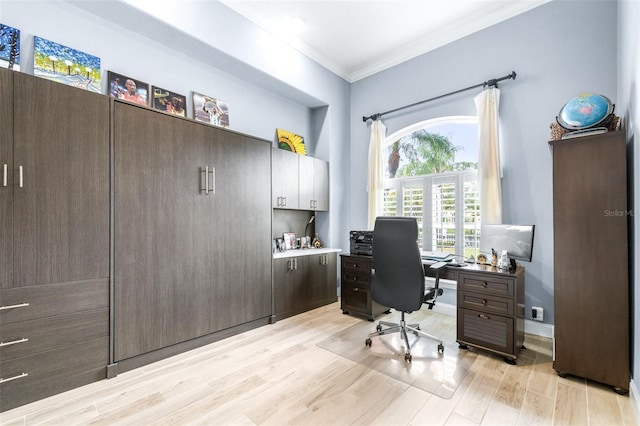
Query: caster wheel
x=378 y=327
x=407 y=357
x=562 y=374
x=461 y=346
x=418 y=328
x=441 y=348
x=367 y=343
x=510 y=361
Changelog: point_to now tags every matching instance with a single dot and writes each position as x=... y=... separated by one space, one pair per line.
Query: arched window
x=431 y=174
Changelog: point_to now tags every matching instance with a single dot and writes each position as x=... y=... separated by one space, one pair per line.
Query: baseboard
x=445 y=308
x=538 y=328
x=633 y=395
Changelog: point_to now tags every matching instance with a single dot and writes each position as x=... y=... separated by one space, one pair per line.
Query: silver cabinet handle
x=20 y=173
x=14 y=342
x=19 y=305
x=206 y=180
x=213 y=180
x=19 y=376
x=4 y=175
x=284 y=201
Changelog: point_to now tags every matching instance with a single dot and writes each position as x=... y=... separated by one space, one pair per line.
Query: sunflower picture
x=291 y=142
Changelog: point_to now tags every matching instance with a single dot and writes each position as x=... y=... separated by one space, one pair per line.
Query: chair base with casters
x=403 y=328
x=430 y=296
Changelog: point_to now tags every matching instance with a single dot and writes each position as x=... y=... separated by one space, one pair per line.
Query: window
x=431 y=174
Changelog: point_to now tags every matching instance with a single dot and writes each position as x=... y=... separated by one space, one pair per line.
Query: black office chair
x=397 y=279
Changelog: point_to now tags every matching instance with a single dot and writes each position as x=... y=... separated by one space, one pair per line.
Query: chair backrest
x=398 y=277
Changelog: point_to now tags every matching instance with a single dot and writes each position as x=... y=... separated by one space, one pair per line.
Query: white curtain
x=489 y=167
x=376 y=171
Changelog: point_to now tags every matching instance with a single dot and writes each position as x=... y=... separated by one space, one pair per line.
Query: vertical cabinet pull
x=20 y=177
x=4 y=175
x=213 y=179
x=207 y=189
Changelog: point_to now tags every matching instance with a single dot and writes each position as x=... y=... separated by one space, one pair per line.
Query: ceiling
x=357 y=38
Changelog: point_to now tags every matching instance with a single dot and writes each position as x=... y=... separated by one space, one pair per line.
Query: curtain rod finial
x=513 y=75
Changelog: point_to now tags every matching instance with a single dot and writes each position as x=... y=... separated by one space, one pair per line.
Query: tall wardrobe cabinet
x=54 y=238
x=591 y=285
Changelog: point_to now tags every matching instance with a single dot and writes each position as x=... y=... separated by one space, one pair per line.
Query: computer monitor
x=517 y=240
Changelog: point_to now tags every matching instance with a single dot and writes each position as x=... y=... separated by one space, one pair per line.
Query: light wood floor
x=277 y=375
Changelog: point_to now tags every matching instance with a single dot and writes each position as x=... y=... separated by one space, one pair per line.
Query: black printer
x=361 y=242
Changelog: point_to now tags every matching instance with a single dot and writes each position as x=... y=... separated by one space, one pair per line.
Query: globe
x=585 y=111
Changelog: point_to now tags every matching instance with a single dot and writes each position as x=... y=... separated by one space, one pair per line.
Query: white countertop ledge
x=304 y=252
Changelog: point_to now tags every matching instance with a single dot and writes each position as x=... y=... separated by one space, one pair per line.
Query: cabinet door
x=322 y=279
x=163 y=230
x=305 y=181
x=61 y=197
x=289 y=294
x=284 y=179
x=6 y=183
x=321 y=184
x=241 y=225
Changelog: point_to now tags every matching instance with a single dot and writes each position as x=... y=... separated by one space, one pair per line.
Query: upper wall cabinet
x=299 y=182
x=284 y=179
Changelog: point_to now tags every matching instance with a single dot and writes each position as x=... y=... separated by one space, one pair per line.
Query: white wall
x=628 y=95
x=558 y=50
x=266 y=84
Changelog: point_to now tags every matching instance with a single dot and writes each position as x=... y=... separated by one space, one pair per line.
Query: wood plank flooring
x=277 y=375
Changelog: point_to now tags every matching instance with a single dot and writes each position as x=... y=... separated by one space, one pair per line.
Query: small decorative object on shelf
x=316 y=242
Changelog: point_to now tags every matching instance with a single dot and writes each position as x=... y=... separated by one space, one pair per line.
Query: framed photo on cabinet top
x=167 y=101
x=9 y=47
x=66 y=65
x=128 y=89
x=207 y=109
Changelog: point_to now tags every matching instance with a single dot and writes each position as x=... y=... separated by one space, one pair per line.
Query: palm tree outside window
x=431 y=174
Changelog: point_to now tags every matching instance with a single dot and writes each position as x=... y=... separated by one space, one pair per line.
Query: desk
x=490 y=302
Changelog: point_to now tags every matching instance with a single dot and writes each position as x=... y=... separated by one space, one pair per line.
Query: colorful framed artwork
x=128 y=89
x=66 y=65
x=291 y=142
x=210 y=110
x=167 y=101
x=9 y=47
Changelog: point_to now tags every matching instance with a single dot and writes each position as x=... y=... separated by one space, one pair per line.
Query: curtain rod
x=492 y=82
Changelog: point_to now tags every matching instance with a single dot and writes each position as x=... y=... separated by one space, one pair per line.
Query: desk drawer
x=357 y=263
x=355 y=298
x=486 y=303
x=486 y=284
x=486 y=330
x=357 y=277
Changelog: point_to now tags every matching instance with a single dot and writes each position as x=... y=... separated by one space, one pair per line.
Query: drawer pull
x=19 y=305
x=356 y=289
x=19 y=376
x=483 y=316
x=355 y=278
x=355 y=265
x=13 y=342
x=485 y=284
x=485 y=301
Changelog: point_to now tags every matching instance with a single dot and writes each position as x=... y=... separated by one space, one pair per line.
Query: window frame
x=426 y=182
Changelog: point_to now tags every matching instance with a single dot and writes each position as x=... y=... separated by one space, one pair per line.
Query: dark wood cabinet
x=303 y=283
x=491 y=310
x=299 y=182
x=314 y=184
x=591 y=282
x=192 y=230
x=355 y=287
x=54 y=203
x=284 y=179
